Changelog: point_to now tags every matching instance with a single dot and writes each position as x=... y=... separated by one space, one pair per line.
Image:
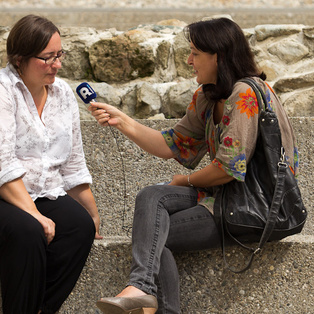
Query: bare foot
x=149 y=311
x=130 y=292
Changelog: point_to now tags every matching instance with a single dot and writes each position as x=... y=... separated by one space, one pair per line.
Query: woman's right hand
x=105 y=114
x=149 y=139
x=15 y=193
x=48 y=225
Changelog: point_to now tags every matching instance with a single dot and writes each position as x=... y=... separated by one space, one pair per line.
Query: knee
x=150 y=194
x=89 y=228
x=149 y=200
x=26 y=232
x=143 y=199
x=85 y=227
x=147 y=190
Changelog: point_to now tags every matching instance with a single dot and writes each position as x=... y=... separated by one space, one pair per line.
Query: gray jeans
x=167 y=218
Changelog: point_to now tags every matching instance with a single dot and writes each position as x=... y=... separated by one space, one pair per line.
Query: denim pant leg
x=150 y=230
x=154 y=229
x=168 y=283
x=190 y=230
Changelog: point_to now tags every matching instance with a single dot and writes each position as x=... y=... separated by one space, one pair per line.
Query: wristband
x=189 y=183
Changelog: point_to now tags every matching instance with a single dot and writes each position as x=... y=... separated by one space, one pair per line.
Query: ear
x=19 y=65
x=18 y=62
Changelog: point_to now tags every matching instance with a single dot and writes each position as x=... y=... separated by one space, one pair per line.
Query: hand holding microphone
x=88 y=95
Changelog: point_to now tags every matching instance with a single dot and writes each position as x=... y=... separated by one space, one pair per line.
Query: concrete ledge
x=280 y=280
x=141 y=169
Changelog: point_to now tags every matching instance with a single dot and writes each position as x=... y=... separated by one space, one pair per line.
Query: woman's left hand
x=83 y=195
x=204 y=178
x=97 y=223
x=179 y=179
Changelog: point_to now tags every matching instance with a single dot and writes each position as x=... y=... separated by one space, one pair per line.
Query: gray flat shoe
x=120 y=305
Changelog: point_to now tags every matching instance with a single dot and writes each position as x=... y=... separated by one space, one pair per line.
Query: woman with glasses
x=48 y=215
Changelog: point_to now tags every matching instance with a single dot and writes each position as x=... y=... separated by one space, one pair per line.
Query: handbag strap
x=279 y=187
x=260 y=95
x=275 y=205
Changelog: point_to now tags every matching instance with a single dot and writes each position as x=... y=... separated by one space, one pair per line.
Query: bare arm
x=153 y=142
x=83 y=195
x=15 y=193
x=145 y=137
x=206 y=177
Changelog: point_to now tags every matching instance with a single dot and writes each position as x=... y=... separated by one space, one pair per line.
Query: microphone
x=86 y=93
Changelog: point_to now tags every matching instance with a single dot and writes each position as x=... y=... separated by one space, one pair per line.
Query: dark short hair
x=28 y=37
x=234 y=56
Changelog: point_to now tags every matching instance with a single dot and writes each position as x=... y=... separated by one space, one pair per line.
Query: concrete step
x=141 y=169
x=280 y=280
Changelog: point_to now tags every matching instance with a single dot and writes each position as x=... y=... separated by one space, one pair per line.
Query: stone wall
x=144 y=72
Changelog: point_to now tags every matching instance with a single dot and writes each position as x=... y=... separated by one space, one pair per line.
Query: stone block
x=280 y=280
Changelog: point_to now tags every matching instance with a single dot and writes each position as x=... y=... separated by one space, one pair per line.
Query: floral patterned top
x=230 y=143
x=47 y=151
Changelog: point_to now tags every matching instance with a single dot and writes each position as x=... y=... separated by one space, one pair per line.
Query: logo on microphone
x=86 y=93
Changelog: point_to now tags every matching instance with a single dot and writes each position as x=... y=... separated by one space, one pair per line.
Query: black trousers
x=35 y=276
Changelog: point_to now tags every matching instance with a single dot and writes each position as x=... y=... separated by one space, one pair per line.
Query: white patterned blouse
x=47 y=151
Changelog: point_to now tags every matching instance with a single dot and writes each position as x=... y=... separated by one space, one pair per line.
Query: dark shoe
x=134 y=305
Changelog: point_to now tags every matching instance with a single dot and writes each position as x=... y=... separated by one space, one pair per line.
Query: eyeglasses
x=60 y=55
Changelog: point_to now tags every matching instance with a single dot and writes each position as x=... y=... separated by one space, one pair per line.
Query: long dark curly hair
x=234 y=56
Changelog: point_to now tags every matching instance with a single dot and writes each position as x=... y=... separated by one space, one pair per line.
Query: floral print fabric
x=231 y=143
x=46 y=152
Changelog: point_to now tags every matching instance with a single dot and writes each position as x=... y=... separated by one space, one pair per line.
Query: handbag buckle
x=282 y=159
x=283 y=164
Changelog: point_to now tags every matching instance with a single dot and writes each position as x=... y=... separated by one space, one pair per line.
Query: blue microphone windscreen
x=86 y=93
